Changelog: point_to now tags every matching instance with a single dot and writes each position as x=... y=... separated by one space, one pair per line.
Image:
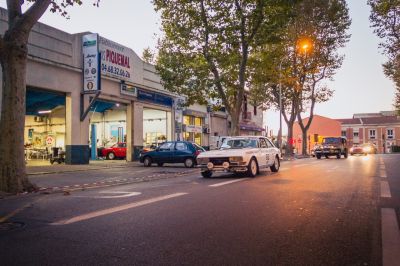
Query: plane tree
x=309 y=55
x=385 y=21
x=13 y=60
x=204 y=53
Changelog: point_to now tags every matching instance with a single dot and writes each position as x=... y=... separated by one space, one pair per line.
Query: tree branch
x=30 y=17
x=14 y=10
x=210 y=61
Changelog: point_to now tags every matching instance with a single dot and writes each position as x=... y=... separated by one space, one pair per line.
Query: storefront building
x=196 y=125
x=77 y=107
x=85 y=92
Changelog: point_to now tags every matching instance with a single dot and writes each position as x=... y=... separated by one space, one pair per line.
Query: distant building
x=382 y=129
x=320 y=127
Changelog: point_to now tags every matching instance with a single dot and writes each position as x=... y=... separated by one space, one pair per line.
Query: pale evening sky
x=359 y=85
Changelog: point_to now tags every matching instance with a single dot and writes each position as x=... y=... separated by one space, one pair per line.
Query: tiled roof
x=350 y=121
x=379 y=120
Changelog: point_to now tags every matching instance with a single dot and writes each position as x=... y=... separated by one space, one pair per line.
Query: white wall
x=104 y=124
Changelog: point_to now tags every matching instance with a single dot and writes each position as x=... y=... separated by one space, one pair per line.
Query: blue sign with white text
x=154 y=97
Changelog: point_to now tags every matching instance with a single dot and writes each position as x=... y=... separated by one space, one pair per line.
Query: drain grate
x=7 y=226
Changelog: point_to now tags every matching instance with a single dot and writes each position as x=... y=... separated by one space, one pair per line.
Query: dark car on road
x=172 y=152
x=332 y=146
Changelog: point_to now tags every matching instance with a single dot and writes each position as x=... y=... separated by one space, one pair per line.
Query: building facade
x=79 y=103
x=320 y=127
x=381 y=129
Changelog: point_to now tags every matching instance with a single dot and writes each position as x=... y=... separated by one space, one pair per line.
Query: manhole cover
x=7 y=226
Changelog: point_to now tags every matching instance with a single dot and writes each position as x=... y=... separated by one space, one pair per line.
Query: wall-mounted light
x=44 y=112
x=117 y=104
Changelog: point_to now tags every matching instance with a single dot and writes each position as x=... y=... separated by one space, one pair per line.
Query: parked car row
x=236 y=154
x=242 y=154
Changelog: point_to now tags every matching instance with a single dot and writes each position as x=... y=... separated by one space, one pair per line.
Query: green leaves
x=385 y=21
x=207 y=45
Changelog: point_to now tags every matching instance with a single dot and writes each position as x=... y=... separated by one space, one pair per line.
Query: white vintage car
x=240 y=154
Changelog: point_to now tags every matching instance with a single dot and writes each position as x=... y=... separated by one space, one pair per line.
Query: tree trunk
x=12 y=121
x=305 y=142
x=289 y=145
x=235 y=127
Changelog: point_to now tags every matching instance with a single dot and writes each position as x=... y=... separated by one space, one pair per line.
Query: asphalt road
x=312 y=212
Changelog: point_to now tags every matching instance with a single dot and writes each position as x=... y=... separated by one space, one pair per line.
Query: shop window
x=343 y=133
x=197 y=138
x=355 y=134
x=156 y=128
x=187 y=120
x=198 y=121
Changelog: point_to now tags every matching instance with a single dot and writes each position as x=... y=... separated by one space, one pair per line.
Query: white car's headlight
x=236 y=159
x=367 y=149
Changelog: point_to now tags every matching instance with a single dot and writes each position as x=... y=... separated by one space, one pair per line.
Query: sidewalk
x=93 y=165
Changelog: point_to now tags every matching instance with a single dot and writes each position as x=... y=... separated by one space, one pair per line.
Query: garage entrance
x=44 y=125
x=107 y=132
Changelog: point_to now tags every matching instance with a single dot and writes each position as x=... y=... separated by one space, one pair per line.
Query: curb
x=109 y=183
x=81 y=170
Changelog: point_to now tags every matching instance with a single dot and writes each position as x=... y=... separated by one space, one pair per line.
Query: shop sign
x=91 y=59
x=194 y=129
x=194 y=113
x=178 y=127
x=49 y=140
x=116 y=60
x=128 y=90
x=154 y=97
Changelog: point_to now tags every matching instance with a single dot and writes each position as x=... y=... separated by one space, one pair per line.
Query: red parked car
x=118 y=150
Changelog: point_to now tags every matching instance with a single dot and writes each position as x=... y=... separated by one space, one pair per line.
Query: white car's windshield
x=238 y=144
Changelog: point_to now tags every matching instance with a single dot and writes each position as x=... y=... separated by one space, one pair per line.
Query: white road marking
x=385 y=190
x=227 y=182
x=95 y=214
x=390 y=237
x=126 y=194
x=382 y=167
x=382 y=174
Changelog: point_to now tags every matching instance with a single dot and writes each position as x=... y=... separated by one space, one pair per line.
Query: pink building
x=382 y=129
x=320 y=127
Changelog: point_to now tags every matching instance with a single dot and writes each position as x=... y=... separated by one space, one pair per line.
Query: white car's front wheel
x=252 y=168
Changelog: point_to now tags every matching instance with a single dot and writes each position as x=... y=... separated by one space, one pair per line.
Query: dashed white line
x=385 y=190
x=227 y=182
x=95 y=214
x=390 y=238
x=382 y=174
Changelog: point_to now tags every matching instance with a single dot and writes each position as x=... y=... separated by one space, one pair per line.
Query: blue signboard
x=153 y=97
